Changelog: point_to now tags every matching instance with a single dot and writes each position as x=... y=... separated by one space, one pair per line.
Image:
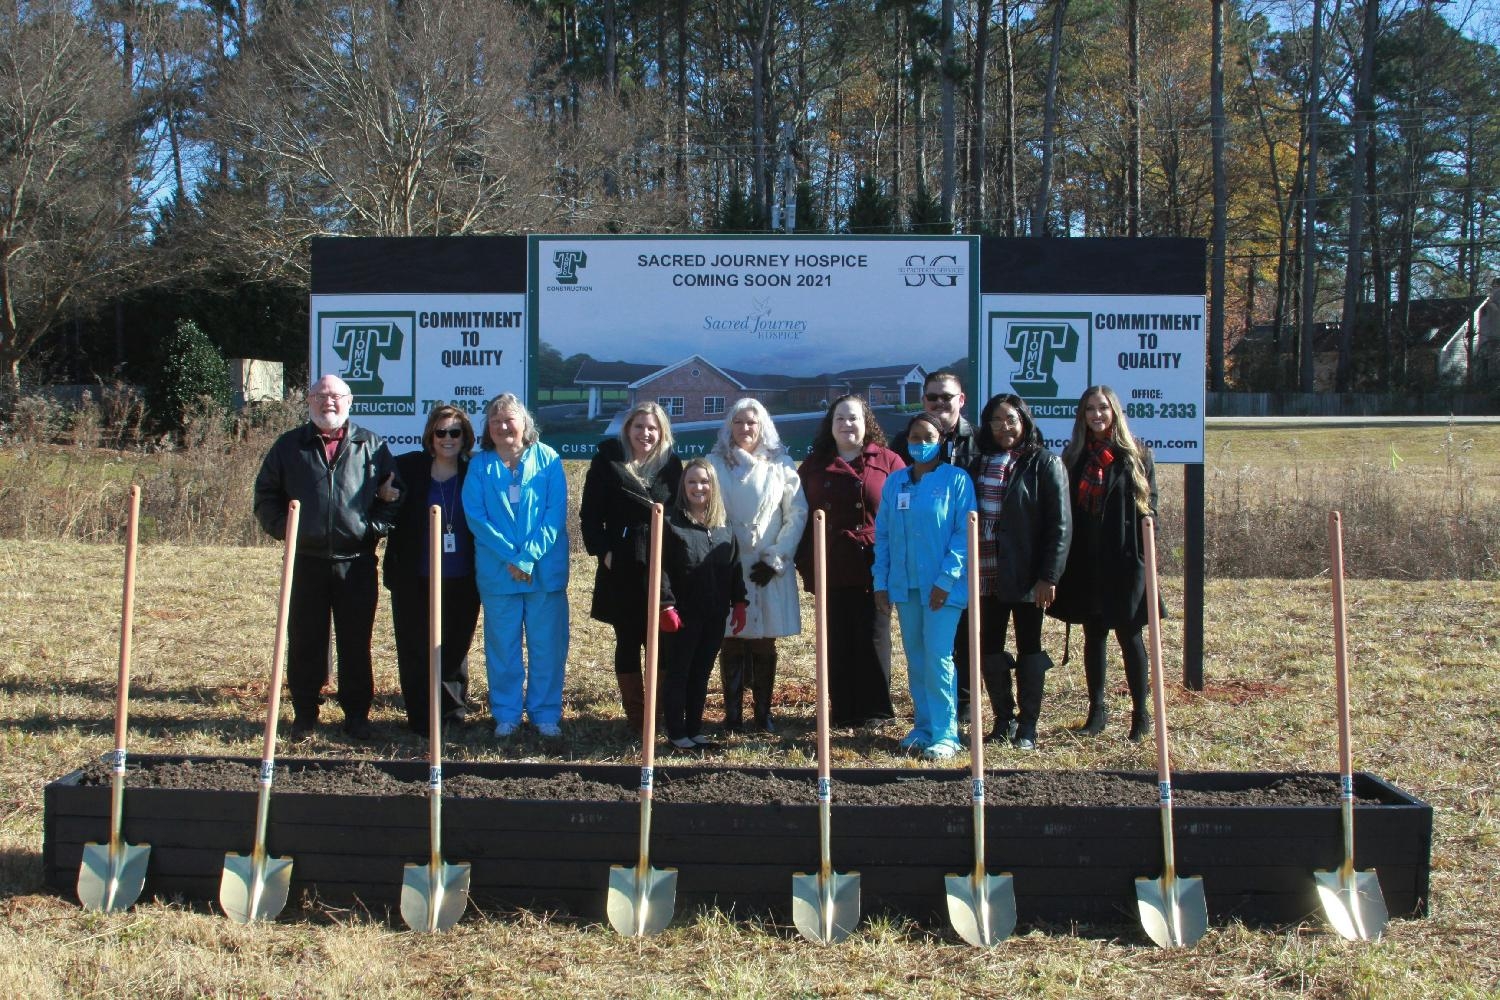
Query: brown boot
x=633 y=698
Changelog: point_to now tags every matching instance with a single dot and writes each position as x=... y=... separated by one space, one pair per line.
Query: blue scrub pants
x=927 y=636
x=543 y=616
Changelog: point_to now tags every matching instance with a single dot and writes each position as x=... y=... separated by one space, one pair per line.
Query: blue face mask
x=924 y=452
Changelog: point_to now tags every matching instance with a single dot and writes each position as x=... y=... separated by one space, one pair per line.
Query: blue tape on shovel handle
x=647 y=776
x=825 y=789
x=117 y=760
x=266 y=770
x=1164 y=792
x=435 y=776
x=978 y=789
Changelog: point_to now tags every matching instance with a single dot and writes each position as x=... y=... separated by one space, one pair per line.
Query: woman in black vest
x=628 y=474
x=1112 y=482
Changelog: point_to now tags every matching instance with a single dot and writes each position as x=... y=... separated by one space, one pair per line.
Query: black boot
x=1138 y=679
x=1093 y=672
x=995 y=670
x=732 y=676
x=762 y=681
x=1031 y=681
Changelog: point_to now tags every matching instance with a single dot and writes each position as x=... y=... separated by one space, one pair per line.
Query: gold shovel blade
x=1357 y=915
x=112 y=883
x=641 y=907
x=1174 y=914
x=841 y=916
x=245 y=899
x=433 y=898
x=987 y=917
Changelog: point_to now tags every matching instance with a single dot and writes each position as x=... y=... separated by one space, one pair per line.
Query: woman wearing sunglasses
x=433 y=477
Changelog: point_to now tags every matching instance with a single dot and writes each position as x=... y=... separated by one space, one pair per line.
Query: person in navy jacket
x=921 y=567
x=516 y=501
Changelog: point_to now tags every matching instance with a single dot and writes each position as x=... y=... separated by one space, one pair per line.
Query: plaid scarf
x=1091 y=483
x=993 y=481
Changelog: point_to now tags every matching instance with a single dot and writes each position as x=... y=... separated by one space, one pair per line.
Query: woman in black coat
x=1112 y=483
x=627 y=475
x=1024 y=530
x=432 y=477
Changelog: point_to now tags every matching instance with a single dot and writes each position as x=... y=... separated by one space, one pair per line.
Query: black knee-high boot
x=732 y=675
x=995 y=669
x=1031 y=680
x=1138 y=679
x=762 y=681
x=1094 y=664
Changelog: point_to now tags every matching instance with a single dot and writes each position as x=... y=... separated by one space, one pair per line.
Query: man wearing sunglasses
x=943 y=397
x=345 y=479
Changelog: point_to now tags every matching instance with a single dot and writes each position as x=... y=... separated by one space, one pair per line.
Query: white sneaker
x=940 y=751
x=504 y=729
x=548 y=729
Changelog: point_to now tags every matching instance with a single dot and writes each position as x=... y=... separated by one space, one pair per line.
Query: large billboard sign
x=1048 y=349
x=404 y=354
x=695 y=323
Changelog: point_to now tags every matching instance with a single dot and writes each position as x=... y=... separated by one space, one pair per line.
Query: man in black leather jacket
x=344 y=478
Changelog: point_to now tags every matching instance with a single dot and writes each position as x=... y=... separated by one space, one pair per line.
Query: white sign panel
x=404 y=354
x=699 y=322
x=1048 y=349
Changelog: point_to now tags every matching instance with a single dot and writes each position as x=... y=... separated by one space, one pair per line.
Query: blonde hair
x=648 y=467
x=714 y=517
x=1120 y=438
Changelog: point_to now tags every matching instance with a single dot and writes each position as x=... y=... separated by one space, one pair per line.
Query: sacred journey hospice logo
x=375 y=352
x=566 y=264
x=939 y=271
x=1043 y=358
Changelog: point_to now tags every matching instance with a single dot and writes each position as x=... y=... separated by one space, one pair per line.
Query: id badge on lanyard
x=903 y=499
x=515 y=493
x=450 y=541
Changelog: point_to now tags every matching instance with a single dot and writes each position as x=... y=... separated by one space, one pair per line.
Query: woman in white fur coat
x=763 y=500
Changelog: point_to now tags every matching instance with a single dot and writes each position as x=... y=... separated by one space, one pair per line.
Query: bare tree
x=1314 y=112
x=1041 y=203
x=1221 y=208
x=1364 y=122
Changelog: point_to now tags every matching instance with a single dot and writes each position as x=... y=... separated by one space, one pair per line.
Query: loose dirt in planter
x=1027 y=788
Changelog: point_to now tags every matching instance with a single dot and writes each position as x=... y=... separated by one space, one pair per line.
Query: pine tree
x=872 y=211
x=192 y=375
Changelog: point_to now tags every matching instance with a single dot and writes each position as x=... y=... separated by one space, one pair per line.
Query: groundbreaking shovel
x=1173 y=909
x=641 y=898
x=981 y=907
x=255 y=887
x=434 y=895
x=1352 y=900
x=825 y=906
x=111 y=875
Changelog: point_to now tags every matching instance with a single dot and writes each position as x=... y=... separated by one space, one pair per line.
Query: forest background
x=169 y=161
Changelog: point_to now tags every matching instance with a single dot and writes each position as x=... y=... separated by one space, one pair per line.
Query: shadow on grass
x=20 y=873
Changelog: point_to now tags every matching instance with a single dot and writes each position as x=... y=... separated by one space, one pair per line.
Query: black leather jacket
x=341 y=516
x=1036 y=525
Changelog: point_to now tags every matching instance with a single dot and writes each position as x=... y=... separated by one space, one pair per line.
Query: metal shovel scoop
x=981 y=907
x=255 y=887
x=1352 y=900
x=825 y=906
x=1174 y=911
x=434 y=895
x=641 y=898
x=111 y=875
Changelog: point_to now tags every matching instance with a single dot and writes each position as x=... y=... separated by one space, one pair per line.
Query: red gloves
x=669 y=620
x=737 y=618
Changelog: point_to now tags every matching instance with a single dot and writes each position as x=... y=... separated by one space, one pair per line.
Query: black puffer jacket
x=341 y=517
x=1036 y=525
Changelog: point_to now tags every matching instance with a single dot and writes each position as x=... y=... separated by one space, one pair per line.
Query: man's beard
x=328 y=421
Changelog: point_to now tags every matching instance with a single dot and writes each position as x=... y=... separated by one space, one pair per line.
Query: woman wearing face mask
x=1024 y=529
x=628 y=474
x=1113 y=486
x=433 y=477
x=764 y=503
x=701 y=585
x=921 y=566
x=843 y=477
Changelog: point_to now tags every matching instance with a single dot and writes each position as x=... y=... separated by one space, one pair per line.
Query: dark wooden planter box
x=1070 y=864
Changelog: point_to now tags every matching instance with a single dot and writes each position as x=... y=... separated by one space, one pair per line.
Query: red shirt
x=849 y=495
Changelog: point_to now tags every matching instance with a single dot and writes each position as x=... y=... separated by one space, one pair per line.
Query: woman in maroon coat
x=843 y=478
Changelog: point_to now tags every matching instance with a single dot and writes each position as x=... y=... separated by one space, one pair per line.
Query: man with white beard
x=345 y=480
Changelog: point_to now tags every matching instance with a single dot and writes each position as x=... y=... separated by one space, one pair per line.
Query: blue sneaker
x=505 y=729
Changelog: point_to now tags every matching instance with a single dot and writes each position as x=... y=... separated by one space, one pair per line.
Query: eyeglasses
x=447 y=432
x=323 y=397
x=941 y=397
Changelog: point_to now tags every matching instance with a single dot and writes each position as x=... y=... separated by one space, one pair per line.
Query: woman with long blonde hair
x=1112 y=481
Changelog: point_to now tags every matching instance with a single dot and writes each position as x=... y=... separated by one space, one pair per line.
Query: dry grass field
x=1426 y=655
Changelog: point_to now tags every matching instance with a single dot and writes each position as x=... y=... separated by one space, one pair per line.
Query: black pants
x=689 y=658
x=630 y=643
x=1132 y=651
x=859 y=658
x=994 y=622
x=409 y=606
x=345 y=589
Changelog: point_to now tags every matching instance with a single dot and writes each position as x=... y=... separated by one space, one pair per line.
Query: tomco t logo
x=1036 y=348
x=942 y=271
x=568 y=263
x=361 y=346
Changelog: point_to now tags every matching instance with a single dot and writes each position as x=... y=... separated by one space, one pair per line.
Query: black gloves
x=761 y=574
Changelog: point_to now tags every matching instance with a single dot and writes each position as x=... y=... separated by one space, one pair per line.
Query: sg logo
x=943 y=271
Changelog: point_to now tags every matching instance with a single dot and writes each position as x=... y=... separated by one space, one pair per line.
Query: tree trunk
x=978 y=133
x=1310 y=202
x=1009 y=196
x=1133 y=112
x=1221 y=203
x=1043 y=198
x=1364 y=119
x=950 y=118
